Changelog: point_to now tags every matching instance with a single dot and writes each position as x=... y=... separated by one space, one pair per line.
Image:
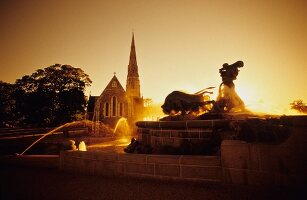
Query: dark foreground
x=31 y=183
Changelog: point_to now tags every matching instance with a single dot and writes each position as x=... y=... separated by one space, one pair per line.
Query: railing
x=14 y=133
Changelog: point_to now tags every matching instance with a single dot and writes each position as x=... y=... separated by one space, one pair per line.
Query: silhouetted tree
x=51 y=96
x=299 y=106
x=6 y=104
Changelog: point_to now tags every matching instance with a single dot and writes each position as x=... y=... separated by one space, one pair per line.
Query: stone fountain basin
x=200 y=136
x=182 y=137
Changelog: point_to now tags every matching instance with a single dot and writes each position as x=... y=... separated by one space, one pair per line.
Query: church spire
x=133 y=67
x=133 y=82
x=134 y=101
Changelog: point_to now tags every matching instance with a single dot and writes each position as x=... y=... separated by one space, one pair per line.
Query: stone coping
x=145 y=158
x=290 y=120
x=216 y=123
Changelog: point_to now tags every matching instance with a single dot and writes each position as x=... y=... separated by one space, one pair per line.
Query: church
x=115 y=102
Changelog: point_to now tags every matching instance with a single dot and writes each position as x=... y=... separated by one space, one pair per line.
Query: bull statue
x=228 y=100
x=179 y=102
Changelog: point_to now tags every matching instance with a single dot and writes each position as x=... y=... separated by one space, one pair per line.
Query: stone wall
x=239 y=163
x=203 y=168
x=256 y=163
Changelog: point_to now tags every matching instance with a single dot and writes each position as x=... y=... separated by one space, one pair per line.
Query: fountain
x=197 y=125
x=243 y=147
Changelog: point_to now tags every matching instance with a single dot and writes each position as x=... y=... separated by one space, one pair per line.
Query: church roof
x=114 y=84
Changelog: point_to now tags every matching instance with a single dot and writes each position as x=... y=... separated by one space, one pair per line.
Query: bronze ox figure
x=179 y=102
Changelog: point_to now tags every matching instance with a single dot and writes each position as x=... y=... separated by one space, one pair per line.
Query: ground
x=37 y=183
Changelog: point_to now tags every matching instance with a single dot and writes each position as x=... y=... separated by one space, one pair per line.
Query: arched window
x=120 y=109
x=106 y=109
x=114 y=106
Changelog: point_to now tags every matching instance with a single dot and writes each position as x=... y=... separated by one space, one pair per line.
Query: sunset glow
x=180 y=45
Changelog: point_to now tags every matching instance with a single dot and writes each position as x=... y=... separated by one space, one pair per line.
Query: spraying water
x=119 y=122
x=121 y=127
x=52 y=131
x=82 y=146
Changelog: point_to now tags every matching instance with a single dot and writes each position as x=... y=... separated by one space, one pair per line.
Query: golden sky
x=180 y=44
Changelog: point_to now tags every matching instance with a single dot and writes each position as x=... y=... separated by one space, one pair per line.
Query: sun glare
x=258 y=105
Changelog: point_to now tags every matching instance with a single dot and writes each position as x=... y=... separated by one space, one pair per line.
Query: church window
x=114 y=106
x=114 y=84
x=106 y=109
x=121 y=109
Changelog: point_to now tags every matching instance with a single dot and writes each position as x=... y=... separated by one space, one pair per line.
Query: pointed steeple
x=133 y=88
x=133 y=81
x=133 y=66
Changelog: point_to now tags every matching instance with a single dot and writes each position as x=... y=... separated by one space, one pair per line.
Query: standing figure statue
x=228 y=100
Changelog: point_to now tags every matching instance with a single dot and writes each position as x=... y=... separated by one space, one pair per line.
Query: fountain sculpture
x=196 y=124
x=228 y=100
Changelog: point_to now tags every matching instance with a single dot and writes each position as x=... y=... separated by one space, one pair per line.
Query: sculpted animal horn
x=204 y=90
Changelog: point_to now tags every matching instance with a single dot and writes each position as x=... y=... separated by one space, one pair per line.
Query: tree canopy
x=299 y=105
x=48 y=97
x=6 y=104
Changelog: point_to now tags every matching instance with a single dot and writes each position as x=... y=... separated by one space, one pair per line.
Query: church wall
x=114 y=100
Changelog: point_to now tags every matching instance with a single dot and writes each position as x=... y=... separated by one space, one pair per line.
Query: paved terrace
x=44 y=184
